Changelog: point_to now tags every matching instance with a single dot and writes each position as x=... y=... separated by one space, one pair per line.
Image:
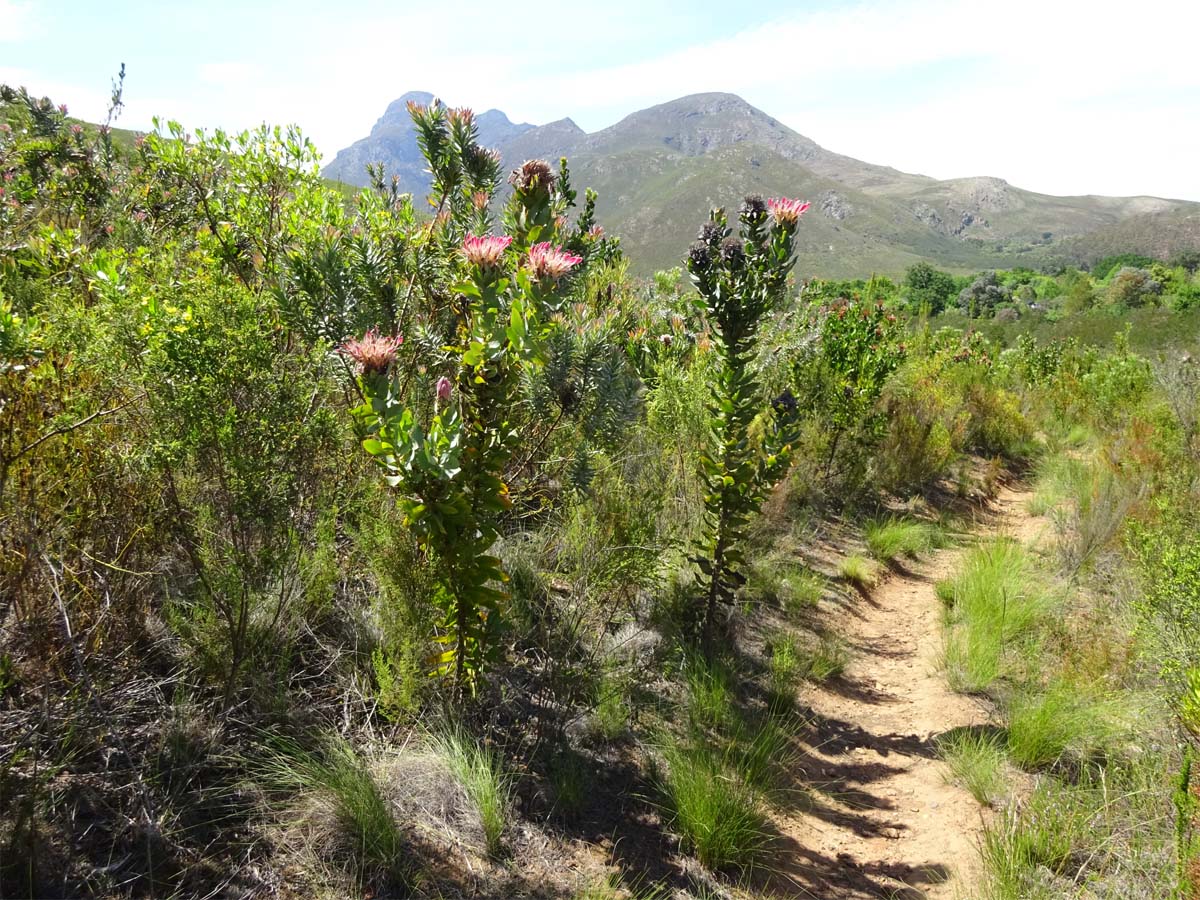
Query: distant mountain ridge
x=659 y=170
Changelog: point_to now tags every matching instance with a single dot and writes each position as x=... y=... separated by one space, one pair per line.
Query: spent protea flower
x=373 y=352
x=486 y=251
x=699 y=257
x=786 y=212
x=753 y=205
x=532 y=173
x=733 y=254
x=710 y=233
x=551 y=263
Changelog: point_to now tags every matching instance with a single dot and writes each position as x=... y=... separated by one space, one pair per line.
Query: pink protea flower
x=62 y=108
x=546 y=262
x=596 y=232
x=786 y=212
x=480 y=199
x=486 y=251
x=373 y=352
x=76 y=129
x=443 y=389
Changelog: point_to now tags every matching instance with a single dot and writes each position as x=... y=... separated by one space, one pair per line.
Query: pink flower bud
x=443 y=389
x=62 y=108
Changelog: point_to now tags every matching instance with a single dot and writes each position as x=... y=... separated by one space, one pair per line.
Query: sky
x=1058 y=96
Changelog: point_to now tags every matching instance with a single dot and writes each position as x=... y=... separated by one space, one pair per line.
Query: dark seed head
x=754 y=205
x=699 y=258
x=733 y=254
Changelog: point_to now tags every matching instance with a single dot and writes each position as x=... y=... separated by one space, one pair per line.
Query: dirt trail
x=882 y=820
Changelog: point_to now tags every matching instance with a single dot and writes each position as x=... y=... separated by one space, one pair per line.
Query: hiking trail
x=882 y=819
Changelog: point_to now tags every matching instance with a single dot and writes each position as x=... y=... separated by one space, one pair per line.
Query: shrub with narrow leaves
x=739 y=280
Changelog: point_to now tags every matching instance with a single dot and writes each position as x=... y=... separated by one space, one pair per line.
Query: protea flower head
x=596 y=232
x=551 y=263
x=480 y=199
x=533 y=172
x=373 y=352
x=699 y=257
x=485 y=251
x=786 y=212
x=463 y=114
x=443 y=389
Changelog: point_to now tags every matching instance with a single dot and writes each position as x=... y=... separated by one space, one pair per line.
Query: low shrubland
x=453 y=484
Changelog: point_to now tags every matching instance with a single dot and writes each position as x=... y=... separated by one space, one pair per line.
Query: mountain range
x=658 y=172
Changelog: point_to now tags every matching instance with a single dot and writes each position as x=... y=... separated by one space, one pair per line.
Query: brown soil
x=882 y=820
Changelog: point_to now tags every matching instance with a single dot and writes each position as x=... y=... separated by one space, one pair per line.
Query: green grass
x=1059 y=479
x=480 y=772
x=715 y=813
x=824 y=660
x=777 y=578
x=759 y=755
x=612 y=706
x=361 y=814
x=976 y=761
x=710 y=692
x=890 y=539
x=1063 y=720
x=995 y=602
x=1039 y=835
x=859 y=571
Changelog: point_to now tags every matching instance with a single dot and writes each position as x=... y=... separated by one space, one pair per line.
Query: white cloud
x=1060 y=96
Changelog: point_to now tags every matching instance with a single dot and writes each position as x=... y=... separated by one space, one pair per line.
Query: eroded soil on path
x=882 y=820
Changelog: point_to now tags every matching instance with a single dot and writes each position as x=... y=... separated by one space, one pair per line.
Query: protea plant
x=740 y=278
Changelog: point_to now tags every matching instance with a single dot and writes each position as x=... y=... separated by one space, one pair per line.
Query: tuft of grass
x=480 y=772
x=342 y=780
x=715 y=813
x=1029 y=839
x=1061 y=721
x=859 y=571
x=826 y=659
x=710 y=692
x=778 y=578
x=784 y=671
x=758 y=756
x=889 y=539
x=612 y=706
x=995 y=604
x=976 y=761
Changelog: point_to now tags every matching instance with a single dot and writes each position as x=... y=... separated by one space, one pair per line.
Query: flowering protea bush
x=740 y=278
x=448 y=454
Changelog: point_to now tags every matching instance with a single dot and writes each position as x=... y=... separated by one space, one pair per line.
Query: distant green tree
x=1081 y=295
x=1110 y=264
x=929 y=289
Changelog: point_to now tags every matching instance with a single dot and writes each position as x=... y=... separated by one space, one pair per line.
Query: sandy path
x=881 y=819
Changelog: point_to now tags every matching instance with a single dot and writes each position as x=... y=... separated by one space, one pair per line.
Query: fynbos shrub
x=740 y=279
